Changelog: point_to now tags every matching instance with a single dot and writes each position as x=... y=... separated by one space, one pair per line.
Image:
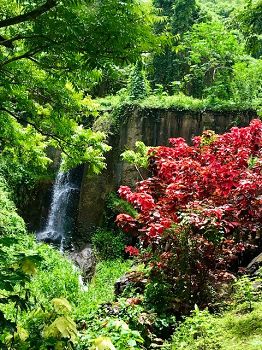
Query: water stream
x=60 y=221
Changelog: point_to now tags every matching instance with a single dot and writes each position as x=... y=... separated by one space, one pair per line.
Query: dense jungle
x=130 y=174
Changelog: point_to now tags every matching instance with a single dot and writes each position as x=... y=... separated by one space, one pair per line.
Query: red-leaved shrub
x=199 y=213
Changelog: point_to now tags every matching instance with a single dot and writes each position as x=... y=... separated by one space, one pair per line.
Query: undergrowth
x=178 y=102
x=236 y=329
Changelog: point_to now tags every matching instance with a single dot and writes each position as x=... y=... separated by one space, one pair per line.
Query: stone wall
x=154 y=127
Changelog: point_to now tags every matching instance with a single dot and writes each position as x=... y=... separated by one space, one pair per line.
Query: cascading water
x=60 y=220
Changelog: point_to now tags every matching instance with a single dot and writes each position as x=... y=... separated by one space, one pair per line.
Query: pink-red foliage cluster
x=201 y=209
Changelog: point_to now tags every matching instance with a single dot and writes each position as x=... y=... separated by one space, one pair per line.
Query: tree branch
x=29 y=16
x=27 y=54
x=9 y=42
x=6 y=42
x=37 y=128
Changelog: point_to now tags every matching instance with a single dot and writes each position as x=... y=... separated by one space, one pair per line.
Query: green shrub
x=231 y=330
x=114 y=206
x=239 y=327
x=10 y=221
x=246 y=83
x=138 y=86
x=159 y=296
x=108 y=244
x=196 y=332
x=112 y=334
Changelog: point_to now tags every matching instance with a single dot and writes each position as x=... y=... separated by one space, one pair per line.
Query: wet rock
x=85 y=260
x=54 y=238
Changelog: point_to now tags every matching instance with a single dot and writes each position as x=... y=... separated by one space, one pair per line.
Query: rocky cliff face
x=154 y=127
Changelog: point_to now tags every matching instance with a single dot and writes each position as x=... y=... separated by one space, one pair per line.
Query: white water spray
x=56 y=230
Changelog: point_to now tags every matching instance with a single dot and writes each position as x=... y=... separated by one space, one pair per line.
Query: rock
x=135 y=279
x=255 y=264
x=53 y=238
x=85 y=260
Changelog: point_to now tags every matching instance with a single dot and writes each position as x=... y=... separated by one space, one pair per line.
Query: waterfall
x=60 y=221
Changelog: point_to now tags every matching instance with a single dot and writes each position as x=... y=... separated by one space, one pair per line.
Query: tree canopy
x=49 y=50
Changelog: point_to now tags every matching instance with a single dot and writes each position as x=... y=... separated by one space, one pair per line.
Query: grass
x=237 y=329
x=241 y=331
x=57 y=277
x=101 y=288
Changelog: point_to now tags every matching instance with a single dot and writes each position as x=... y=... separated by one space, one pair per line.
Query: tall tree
x=249 y=21
x=180 y=16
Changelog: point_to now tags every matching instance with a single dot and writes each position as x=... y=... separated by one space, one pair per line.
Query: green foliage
x=211 y=52
x=180 y=102
x=137 y=85
x=196 y=332
x=248 y=291
x=139 y=158
x=212 y=37
x=246 y=84
x=28 y=282
x=46 y=67
x=158 y=296
x=56 y=277
x=18 y=265
x=249 y=21
x=113 y=334
x=41 y=323
x=185 y=14
x=168 y=65
x=86 y=147
x=25 y=296
x=237 y=328
x=116 y=205
x=108 y=245
x=101 y=288
x=229 y=331
x=219 y=9
x=10 y=221
x=50 y=328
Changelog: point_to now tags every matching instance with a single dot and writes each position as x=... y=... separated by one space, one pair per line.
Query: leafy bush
x=246 y=83
x=108 y=244
x=196 y=332
x=209 y=51
x=138 y=86
x=10 y=221
x=48 y=328
x=138 y=158
x=116 y=205
x=198 y=212
x=32 y=275
x=248 y=290
x=27 y=320
x=112 y=334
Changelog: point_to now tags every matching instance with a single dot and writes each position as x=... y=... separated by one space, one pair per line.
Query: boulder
x=135 y=279
x=254 y=265
x=85 y=260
